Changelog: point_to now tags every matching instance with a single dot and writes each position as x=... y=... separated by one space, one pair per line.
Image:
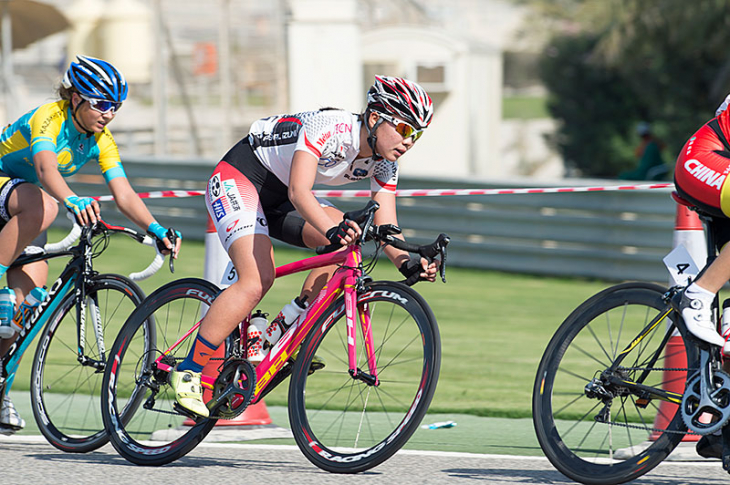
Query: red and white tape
x=423 y=192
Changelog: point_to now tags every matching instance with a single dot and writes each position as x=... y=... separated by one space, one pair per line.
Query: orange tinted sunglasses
x=402 y=128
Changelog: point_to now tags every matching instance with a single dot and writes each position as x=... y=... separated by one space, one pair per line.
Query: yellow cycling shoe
x=189 y=392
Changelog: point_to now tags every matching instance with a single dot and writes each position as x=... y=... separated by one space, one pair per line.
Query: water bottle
x=34 y=298
x=7 y=308
x=286 y=317
x=255 y=351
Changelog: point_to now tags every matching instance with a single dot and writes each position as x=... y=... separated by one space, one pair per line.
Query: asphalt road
x=30 y=460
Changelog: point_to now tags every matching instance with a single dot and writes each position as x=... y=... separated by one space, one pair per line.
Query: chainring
x=709 y=413
x=233 y=389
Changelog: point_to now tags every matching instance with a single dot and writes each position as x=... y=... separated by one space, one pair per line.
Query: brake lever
x=444 y=241
x=442 y=269
x=172 y=236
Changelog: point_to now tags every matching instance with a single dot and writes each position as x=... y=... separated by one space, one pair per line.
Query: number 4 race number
x=681 y=266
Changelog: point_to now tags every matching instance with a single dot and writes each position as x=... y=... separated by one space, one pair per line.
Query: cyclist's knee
x=36 y=208
x=251 y=290
x=50 y=211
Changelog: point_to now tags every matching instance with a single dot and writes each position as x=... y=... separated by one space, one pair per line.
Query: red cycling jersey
x=703 y=166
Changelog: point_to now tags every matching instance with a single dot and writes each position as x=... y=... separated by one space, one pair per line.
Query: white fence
x=610 y=235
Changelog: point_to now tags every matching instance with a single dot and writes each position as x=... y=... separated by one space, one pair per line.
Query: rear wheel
x=66 y=394
x=623 y=436
x=138 y=402
x=344 y=424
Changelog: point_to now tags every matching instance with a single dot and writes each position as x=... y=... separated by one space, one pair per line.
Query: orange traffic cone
x=688 y=231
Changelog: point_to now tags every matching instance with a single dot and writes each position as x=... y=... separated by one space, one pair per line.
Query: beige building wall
x=463 y=79
x=324 y=55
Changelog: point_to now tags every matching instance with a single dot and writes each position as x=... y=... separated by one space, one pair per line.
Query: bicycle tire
x=634 y=439
x=154 y=433
x=344 y=425
x=65 y=395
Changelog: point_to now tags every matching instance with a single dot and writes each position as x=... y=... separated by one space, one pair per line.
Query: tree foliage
x=611 y=63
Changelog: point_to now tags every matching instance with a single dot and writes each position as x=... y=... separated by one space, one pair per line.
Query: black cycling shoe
x=726 y=448
x=710 y=446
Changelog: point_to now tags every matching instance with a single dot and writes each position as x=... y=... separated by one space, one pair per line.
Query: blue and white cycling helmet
x=96 y=79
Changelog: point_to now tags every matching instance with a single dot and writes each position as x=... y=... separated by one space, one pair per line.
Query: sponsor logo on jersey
x=232 y=225
x=323 y=139
x=218 y=210
x=327 y=162
x=343 y=128
x=214 y=186
x=704 y=174
x=234 y=196
x=236 y=231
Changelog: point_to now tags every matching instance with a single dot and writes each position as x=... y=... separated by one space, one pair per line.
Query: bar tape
x=420 y=192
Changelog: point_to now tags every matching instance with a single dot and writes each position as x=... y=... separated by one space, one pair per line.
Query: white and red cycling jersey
x=330 y=135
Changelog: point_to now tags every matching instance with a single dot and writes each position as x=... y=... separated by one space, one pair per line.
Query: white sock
x=696 y=292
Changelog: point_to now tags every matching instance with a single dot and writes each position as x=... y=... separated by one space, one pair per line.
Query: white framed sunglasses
x=102 y=105
x=402 y=128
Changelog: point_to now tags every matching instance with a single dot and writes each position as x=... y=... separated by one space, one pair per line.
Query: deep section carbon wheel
x=591 y=427
x=66 y=394
x=347 y=423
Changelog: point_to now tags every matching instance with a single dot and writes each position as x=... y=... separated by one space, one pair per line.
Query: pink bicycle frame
x=344 y=280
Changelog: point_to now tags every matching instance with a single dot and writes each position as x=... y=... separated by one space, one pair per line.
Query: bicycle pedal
x=186 y=413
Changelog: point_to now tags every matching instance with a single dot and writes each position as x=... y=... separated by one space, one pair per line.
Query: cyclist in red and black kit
x=701 y=176
x=263 y=188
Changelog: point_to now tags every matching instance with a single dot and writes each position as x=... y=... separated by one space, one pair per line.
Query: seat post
x=710 y=239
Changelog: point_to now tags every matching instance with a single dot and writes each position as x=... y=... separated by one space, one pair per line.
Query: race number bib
x=230 y=275
x=681 y=266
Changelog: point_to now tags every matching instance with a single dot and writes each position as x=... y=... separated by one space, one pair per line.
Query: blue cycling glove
x=161 y=233
x=77 y=204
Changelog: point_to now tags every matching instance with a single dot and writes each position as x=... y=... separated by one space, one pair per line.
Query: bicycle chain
x=162 y=411
x=644 y=428
x=657 y=368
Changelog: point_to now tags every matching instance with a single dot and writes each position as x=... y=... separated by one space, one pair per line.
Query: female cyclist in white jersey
x=263 y=188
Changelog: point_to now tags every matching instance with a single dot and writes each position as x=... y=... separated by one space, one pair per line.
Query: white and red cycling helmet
x=402 y=98
x=399 y=97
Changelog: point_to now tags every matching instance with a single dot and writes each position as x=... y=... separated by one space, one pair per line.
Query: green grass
x=494 y=326
x=524 y=108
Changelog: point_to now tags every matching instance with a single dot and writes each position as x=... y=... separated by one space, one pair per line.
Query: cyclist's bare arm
x=301 y=181
x=387 y=214
x=132 y=206
x=46 y=167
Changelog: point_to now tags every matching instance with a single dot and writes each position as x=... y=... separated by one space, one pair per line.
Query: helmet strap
x=372 y=137
x=78 y=121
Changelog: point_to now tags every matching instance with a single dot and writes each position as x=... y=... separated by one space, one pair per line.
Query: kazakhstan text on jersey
x=50 y=127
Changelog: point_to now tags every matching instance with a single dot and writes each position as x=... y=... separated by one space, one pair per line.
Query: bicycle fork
x=92 y=303
x=363 y=312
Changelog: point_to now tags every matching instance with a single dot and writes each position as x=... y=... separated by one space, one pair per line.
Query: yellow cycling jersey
x=50 y=127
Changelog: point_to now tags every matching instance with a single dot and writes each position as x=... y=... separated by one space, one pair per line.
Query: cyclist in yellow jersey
x=42 y=147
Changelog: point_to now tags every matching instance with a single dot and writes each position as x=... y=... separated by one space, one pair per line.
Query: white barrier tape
x=422 y=192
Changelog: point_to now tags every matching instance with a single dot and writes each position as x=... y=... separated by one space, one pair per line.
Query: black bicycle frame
x=74 y=275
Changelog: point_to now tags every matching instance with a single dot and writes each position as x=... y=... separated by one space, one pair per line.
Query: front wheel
x=65 y=394
x=138 y=404
x=591 y=428
x=347 y=425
